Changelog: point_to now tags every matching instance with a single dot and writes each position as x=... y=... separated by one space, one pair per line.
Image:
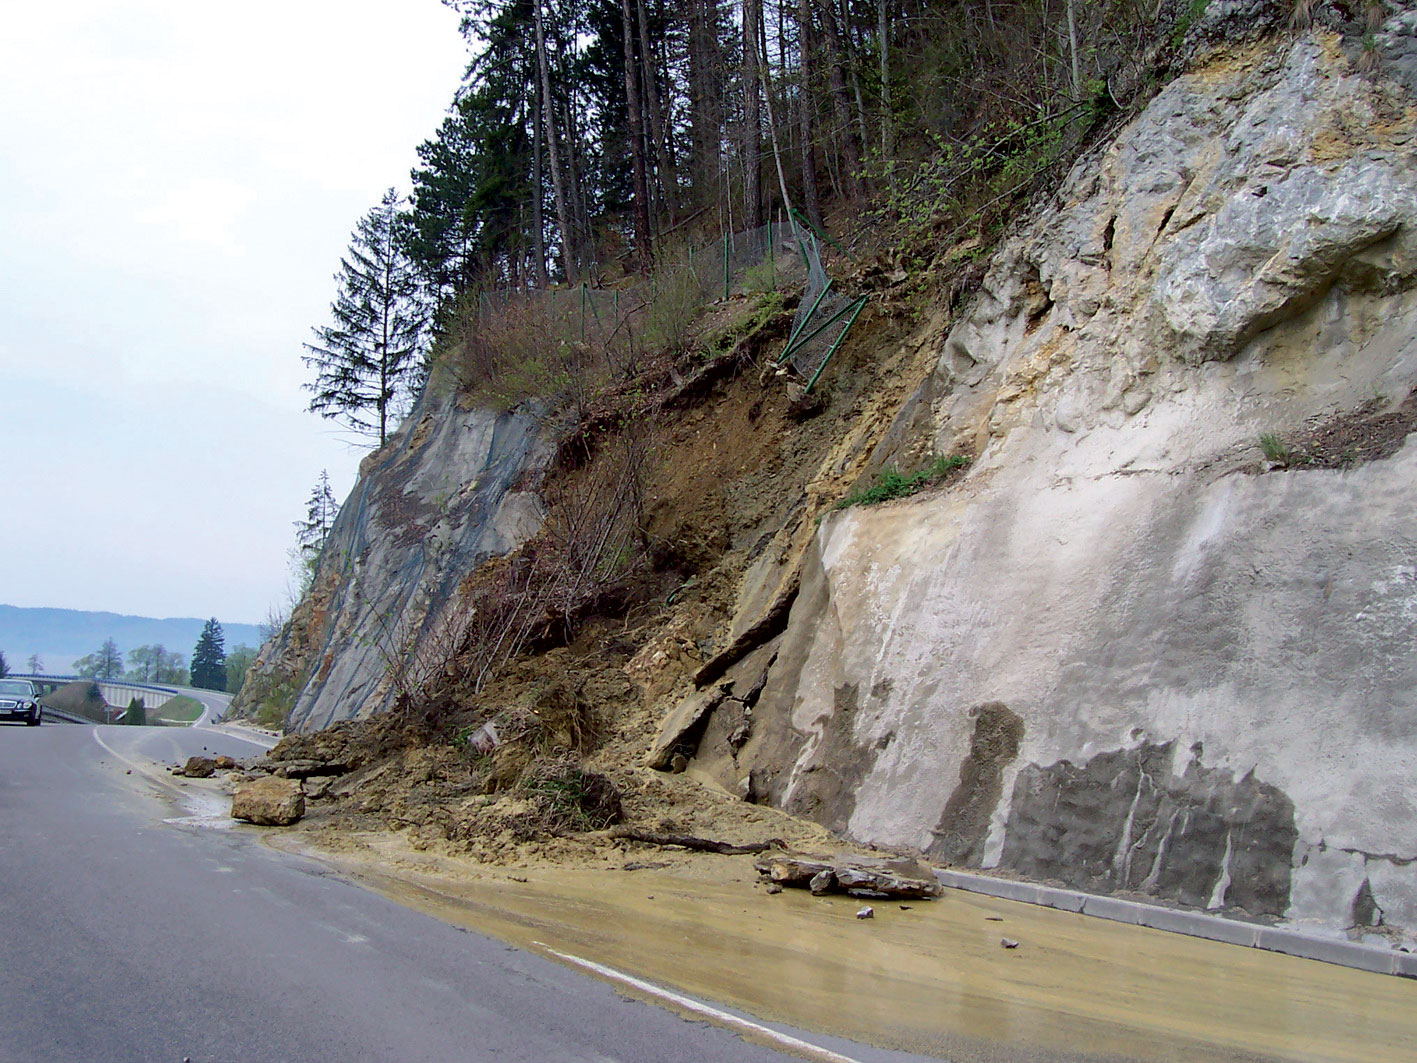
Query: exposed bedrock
x=451 y=489
x=1128 y=651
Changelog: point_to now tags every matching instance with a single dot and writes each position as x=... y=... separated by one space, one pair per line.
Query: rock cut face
x=1129 y=651
x=451 y=489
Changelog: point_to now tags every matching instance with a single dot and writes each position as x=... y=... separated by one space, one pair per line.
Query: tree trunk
x=637 y=143
x=887 y=130
x=841 y=102
x=853 y=51
x=811 y=197
x=668 y=178
x=580 y=212
x=558 y=185
x=1073 y=46
x=538 y=223
x=752 y=116
x=703 y=99
x=772 y=122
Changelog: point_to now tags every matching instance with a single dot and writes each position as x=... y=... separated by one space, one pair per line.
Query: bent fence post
x=855 y=308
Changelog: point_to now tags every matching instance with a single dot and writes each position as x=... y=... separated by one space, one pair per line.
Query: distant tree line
x=212 y=668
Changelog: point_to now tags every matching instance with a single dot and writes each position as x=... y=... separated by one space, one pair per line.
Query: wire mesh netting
x=823 y=317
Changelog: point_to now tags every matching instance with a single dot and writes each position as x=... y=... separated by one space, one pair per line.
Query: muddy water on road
x=931 y=978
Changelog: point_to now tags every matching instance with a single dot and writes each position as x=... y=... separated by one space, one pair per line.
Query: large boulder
x=197 y=768
x=268 y=802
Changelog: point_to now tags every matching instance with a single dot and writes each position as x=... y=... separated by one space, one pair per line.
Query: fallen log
x=857 y=878
x=689 y=841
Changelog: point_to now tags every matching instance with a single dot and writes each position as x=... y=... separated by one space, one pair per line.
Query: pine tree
x=209 y=658
x=368 y=363
x=137 y=714
x=4 y=666
x=321 y=509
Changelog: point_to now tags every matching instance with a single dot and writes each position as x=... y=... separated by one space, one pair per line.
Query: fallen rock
x=350 y=783
x=681 y=730
x=317 y=786
x=1008 y=943
x=866 y=913
x=197 y=768
x=905 y=879
x=225 y=763
x=802 y=405
x=268 y=802
x=304 y=769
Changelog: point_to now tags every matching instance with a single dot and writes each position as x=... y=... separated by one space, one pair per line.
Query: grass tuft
x=1275 y=449
x=891 y=484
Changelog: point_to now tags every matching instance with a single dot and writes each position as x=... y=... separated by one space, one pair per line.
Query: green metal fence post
x=861 y=302
x=725 y=265
x=772 y=258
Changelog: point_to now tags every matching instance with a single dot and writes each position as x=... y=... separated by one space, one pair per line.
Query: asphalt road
x=214 y=705
x=131 y=929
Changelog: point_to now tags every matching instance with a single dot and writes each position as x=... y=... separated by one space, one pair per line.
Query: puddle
x=204 y=810
x=932 y=979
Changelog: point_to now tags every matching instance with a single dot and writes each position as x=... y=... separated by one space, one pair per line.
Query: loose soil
x=1362 y=435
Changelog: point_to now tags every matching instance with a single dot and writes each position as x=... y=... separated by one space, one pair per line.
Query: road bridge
x=118 y=693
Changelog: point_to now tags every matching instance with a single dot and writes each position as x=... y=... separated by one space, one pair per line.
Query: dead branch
x=689 y=841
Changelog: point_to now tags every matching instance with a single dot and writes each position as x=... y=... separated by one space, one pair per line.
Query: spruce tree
x=367 y=363
x=209 y=658
x=137 y=714
x=321 y=509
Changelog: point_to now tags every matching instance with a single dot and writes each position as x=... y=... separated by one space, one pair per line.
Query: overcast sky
x=178 y=181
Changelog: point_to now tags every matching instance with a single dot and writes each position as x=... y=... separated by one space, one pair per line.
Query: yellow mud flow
x=931 y=978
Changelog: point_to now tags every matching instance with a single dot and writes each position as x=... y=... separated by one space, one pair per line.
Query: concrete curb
x=1197 y=924
x=255 y=735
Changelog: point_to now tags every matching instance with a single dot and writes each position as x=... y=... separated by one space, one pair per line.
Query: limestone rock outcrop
x=450 y=489
x=1131 y=650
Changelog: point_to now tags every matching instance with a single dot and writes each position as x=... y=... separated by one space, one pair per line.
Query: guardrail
x=51 y=714
x=174 y=691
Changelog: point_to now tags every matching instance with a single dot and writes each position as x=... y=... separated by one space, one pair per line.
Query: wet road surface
x=133 y=930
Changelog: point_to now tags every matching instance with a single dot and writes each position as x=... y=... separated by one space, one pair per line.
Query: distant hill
x=61 y=636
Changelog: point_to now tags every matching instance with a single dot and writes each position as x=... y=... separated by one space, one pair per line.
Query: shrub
x=568 y=798
x=674 y=301
x=761 y=278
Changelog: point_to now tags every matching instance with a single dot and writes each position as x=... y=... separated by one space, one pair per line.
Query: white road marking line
x=213 y=813
x=713 y=1014
x=119 y=756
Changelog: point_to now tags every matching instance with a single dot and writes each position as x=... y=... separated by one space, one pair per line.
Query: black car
x=18 y=701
